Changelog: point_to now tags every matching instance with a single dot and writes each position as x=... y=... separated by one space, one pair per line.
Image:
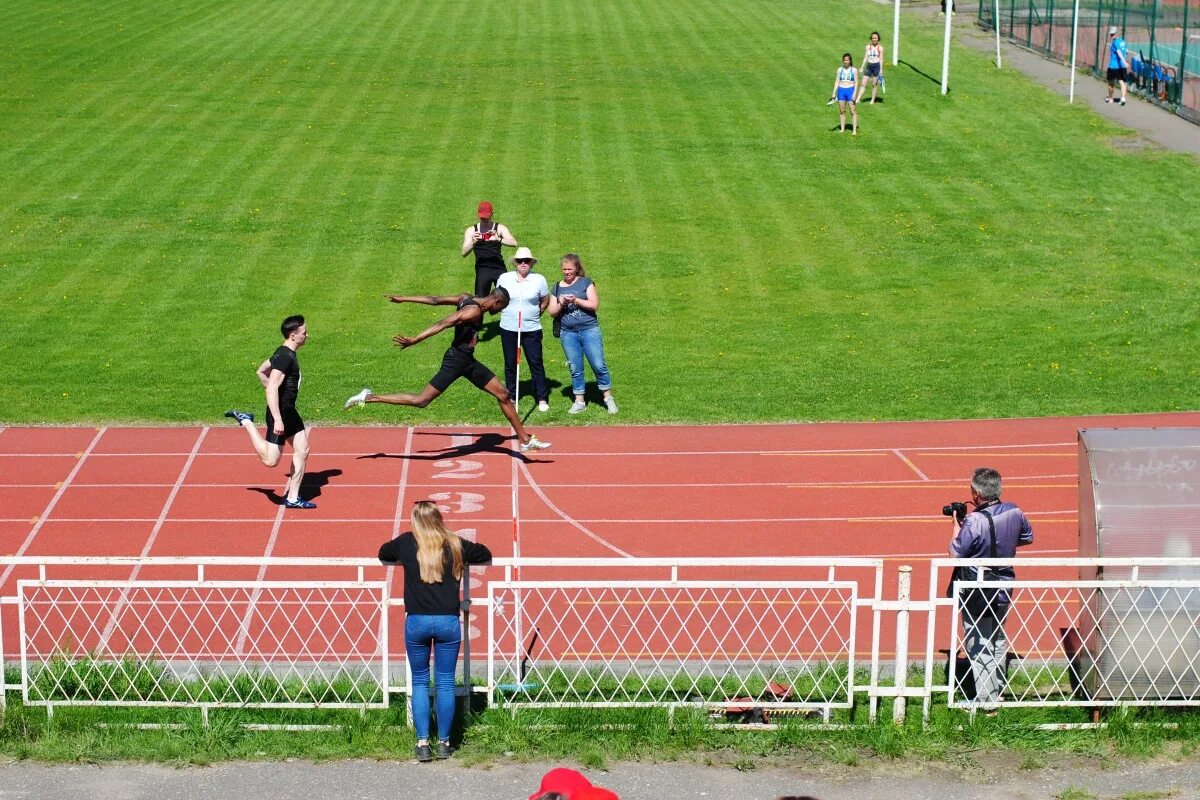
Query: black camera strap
x=992 y=536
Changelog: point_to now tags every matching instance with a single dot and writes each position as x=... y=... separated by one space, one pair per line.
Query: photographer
x=994 y=530
x=484 y=239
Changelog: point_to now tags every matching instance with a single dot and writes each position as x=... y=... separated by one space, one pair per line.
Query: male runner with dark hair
x=280 y=377
x=459 y=361
x=484 y=239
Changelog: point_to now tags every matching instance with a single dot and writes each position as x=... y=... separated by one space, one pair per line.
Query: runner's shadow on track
x=487 y=443
x=310 y=487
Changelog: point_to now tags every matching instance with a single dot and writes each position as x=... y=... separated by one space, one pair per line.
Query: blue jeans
x=590 y=344
x=444 y=634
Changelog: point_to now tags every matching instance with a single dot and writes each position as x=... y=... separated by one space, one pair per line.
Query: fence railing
x=1163 y=38
x=741 y=638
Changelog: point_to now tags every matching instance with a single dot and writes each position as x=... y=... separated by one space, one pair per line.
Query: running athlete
x=872 y=67
x=485 y=239
x=843 y=89
x=280 y=377
x=459 y=361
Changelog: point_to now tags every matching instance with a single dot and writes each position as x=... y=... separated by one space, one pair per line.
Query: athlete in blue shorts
x=844 y=85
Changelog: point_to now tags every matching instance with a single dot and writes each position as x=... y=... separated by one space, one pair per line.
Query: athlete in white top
x=872 y=67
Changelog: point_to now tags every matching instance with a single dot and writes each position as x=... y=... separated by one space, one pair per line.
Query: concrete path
x=360 y=780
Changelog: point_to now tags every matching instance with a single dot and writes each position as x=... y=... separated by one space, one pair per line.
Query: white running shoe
x=611 y=405
x=358 y=399
x=534 y=443
x=543 y=405
x=576 y=408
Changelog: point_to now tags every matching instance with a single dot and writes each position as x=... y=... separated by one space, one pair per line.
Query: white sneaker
x=576 y=407
x=611 y=405
x=358 y=399
x=534 y=443
x=543 y=405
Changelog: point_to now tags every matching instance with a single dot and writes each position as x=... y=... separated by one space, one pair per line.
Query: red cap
x=485 y=209
x=571 y=784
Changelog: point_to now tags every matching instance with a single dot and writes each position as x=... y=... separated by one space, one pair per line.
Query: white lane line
x=898 y=483
x=62 y=489
x=568 y=519
x=398 y=515
x=914 y=467
x=561 y=517
x=651 y=453
x=123 y=600
x=244 y=626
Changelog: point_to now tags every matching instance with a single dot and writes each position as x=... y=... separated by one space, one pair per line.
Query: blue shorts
x=872 y=69
x=845 y=94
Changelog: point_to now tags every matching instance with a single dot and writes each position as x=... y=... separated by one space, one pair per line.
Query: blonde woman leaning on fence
x=433 y=560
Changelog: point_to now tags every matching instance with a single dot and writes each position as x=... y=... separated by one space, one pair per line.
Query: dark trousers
x=531 y=344
x=485 y=280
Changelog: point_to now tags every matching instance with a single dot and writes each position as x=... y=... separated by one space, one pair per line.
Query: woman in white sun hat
x=529 y=297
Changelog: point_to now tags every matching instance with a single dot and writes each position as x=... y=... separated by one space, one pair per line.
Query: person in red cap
x=571 y=785
x=485 y=239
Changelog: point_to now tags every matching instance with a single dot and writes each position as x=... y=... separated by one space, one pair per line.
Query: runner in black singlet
x=459 y=360
x=280 y=378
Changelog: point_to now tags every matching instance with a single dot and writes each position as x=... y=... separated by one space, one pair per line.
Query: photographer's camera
x=956 y=510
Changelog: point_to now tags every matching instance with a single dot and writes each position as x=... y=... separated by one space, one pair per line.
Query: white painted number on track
x=456 y=470
x=467 y=502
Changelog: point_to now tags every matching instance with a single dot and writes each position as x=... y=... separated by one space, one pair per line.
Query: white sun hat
x=523 y=253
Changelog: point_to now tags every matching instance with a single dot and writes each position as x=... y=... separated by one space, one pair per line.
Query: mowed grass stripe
x=133 y=324
x=374 y=186
x=85 y=97
x=108 y=219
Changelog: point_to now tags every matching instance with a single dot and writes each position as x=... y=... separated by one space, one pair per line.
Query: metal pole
x=896 y=35
x=1183 y=56
x=1050 y=29
x=946 y=48
x=1074 y=41
x=996 y=20
x=904 y=594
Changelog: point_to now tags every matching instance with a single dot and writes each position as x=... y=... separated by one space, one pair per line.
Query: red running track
x=836 y=489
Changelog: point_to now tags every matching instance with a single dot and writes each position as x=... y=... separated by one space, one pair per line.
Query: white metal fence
x=778 y=636
x=1102 y=633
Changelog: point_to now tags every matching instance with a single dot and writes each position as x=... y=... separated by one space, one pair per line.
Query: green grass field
x=178 y=177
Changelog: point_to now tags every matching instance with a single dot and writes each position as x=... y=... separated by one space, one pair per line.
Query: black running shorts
x=292 y=424
x=459 y=363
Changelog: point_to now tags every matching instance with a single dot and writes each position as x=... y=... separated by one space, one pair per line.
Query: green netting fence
x=1163 y=37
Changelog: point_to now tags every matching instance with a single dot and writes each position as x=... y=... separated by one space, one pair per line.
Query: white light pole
x=1074 y=41
x=996 y=22
x=896 y=34
x=946 y=48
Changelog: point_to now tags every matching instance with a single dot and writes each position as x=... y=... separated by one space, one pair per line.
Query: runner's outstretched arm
x=465 y=315
x=427 y=299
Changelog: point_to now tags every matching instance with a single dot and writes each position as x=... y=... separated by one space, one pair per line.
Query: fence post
x=1182 y=57
x=903 y=595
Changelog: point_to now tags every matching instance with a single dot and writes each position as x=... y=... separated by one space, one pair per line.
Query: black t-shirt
x=429 y=598
x=284 y=359
x=466 y=334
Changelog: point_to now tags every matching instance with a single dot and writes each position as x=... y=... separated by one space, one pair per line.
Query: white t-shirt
x=525 y=296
